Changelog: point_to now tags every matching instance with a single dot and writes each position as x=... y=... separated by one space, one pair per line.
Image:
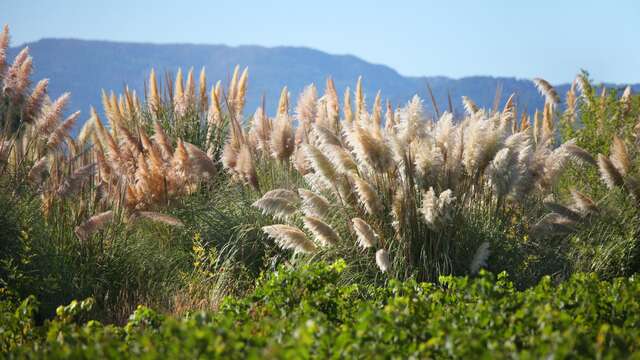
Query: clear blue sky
x=552 y=39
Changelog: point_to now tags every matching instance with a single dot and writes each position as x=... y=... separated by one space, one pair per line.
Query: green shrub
x=305 y=313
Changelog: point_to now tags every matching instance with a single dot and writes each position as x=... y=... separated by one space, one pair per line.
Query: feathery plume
x=86 y=131
x=470 y=106
x=549 y=92
x=321 y=231
x=325 y=136
x=333 y=104
x=609 y=173
x=190 y=92
x=153 y=101
x=289 y=237
x=48 y=120
x=341 y=159
x=200 y=161
x=437 y=210
x=180 y=160
x=348 y=113
x=389 y=118
x=579 y=153
x=319 y=162
x=368 y=196
x=94 y=224
x=376 y=116
x=161 y=139
x=37 y=171
x=369 y=150
x=503 y=172
x=620 y=156
x=360 y=104
x=16 y=80
x=584 y=204
x=245 y=166
x=367 y=238
x=241 y=94
x=283 y=103
x=480 y=257
x=313 y=204
x=233 y=89
x=71 y=184
x=382 y=260
x=285 y=194
x=306 y=109
x=179 y=104
x=62 y=131
x=202 y=87
x=261 y=131
x=282 y=138
x=34 y=102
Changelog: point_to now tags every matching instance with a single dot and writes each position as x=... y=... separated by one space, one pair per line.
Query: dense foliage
x=305 y=313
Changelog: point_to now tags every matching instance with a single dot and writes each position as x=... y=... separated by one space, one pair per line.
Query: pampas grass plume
x=365 y=235
x=382 y=260
x=289 y=237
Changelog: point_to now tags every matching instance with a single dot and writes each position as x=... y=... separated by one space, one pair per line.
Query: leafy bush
x=306 y=313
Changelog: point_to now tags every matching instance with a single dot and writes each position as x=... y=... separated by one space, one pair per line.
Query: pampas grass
x=620 y=156
x=382 y=260
x=367 y=238
x=549 y=92
x=93 y=224
x=480 y=257
x=368 y=197
x=71 y=185
x=279 y=203
x=289 y=237
x=313 y=204
x=322 y=232
x=421 y=191
x=609 y=173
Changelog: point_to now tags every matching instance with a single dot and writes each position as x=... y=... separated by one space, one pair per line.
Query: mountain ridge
x=85 y=67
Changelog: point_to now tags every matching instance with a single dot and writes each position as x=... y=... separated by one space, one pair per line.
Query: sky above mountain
x=552 y=39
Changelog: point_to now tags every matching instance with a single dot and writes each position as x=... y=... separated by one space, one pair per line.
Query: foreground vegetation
x=180 y=203
x=306 y=313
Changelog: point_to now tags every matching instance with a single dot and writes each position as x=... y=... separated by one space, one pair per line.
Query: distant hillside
x=85 y=67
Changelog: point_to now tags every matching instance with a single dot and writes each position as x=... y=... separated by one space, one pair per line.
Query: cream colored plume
x=438 y=210
x=367 y=238
x=313 y=204
x=382 y=260
x=368 y=196
x=306 y=109
x=547 y=90
x=320 y=163
x=289 y=237
x=321 y=231
x=279 y=203
x=282 y=138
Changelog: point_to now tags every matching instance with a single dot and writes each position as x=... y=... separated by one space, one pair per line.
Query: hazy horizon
x=455 y=40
